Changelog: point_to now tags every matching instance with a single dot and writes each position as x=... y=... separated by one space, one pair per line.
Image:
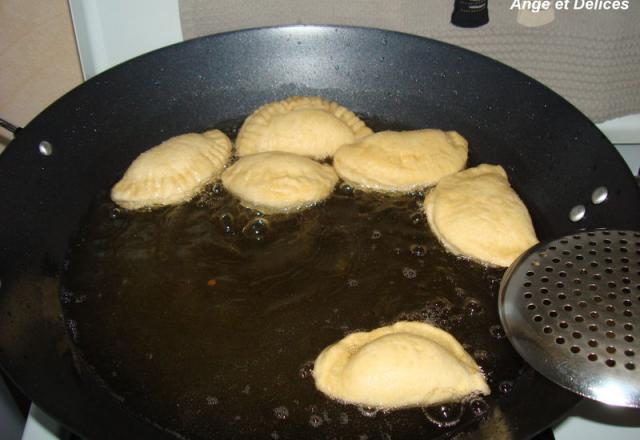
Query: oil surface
x=205 y=318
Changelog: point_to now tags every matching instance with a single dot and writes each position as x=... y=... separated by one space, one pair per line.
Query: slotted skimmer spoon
x=571 y=309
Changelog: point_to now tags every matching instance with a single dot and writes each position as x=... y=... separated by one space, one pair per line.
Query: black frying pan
x=554 y=156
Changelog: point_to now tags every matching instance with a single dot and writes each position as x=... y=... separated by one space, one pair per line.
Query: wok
x=555 y=158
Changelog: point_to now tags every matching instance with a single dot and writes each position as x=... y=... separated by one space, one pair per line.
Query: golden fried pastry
x=402 y=365
x=174 y=171
x=305 y=125
x=401 y=161
x=475 y=213
x=279 y=182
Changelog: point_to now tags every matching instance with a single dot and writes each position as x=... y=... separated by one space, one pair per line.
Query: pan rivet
x=45 y=148
x=577 y=213
x=599 y=195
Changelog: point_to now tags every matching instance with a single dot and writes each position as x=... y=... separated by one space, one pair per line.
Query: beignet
x=279 y=182
x=401 y=161
x=173 y=171
x=305 y=125
x=402 y=365
x=475 y=213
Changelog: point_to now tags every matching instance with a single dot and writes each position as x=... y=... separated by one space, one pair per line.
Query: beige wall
x=38 y=57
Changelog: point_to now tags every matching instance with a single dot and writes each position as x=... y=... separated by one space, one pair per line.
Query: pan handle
x=10 y=127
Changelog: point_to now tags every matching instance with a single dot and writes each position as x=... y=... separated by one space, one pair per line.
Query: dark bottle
x=470 y=13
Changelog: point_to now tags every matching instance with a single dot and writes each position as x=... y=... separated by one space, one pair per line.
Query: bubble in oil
x=478 y=407
x=217 y=189
x=346 y=189
x=306 y=370
x=418 y=250
x=505 y=387
x=416 y=219
x=256 y=229
x=115 y=213
x=497 y=331
x=368 y=411
x=281 y=412
x=440 y=303
x=473 y=307
x=409 y=273
x=376 y=234
x=444 y=416
x=481 y=356
x=315 y=421
x=212 y=400
x=352 y=283
x=226 y=221
x=437 y=311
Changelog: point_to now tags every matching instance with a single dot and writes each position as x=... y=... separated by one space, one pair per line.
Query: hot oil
x=206 y=317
